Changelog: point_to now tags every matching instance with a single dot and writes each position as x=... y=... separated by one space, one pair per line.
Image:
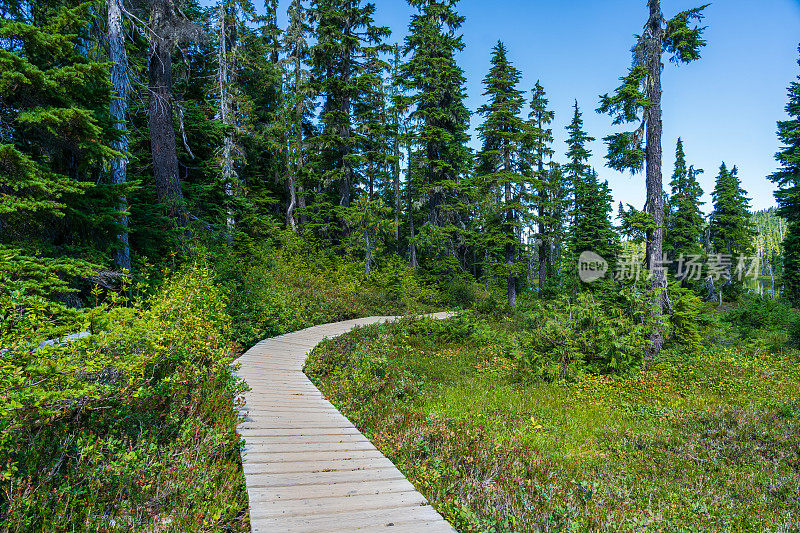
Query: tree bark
x=544 y=247
x=412 y=247
x=511 y=220
x=162 y=130
x=655 y=189
x=228 y=171
x=118 y=109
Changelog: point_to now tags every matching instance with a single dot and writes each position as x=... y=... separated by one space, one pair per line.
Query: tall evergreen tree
x=299 y=100
x=435 y=84
x=546 y=193
x=639 y=99
x=731 y=225
x=578 y=154
x=168 y=27
x=592 y=228
x=232 y=16
x=577 y=169
x=684 y=222
x=504 y=133
x=788 y=194
x=55 y=130
x=348 y=44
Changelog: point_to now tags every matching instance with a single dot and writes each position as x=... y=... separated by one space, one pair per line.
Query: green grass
x=709 y=442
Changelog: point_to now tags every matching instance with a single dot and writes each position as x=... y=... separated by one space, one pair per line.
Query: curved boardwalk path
x=308 y=469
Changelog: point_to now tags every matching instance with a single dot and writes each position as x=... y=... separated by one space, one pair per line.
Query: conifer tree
x=577 y=169
x=395 y=127
x=731 y=225
x=592 y=228
x=504 y=133
x=348 y=43
x=299 y=100
x=684 y=222
x=546 y=194
x=435 y=84
x=788 y=195
x=638 y=99
x=232 y=16
x=168 y=27
x=52 y=151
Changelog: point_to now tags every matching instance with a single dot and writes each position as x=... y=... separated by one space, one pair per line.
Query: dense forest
x=181 y=181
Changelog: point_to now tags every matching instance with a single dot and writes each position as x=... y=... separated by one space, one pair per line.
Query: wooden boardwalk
x=308 y=469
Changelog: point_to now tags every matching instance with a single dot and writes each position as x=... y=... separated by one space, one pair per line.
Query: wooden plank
x=297 y=467
x=317 y=506
x=339 y=454
x=340 y=490
x=346 y=521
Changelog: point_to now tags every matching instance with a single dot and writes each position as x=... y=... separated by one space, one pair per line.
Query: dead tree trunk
x=118 y=109
x=655 y=189
x=227 y=168
x=162 y=130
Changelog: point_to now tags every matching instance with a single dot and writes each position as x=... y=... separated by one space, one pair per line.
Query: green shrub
x=578 y=333
x=131 y=429
x=461 y=292
x=759 y=317
x=690 y=321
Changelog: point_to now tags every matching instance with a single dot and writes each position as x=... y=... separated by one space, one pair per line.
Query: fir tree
x=592 y=228
x=576 y=169
x=168 y=27
x=731 y=226
x=547 y=197
x=788 y=194
x=118 y=109
x=685 y=222
x=299 y=100
x=638 y=99
x=504 y=133
x=55 y=201
x=348 y=44
x=436 y=101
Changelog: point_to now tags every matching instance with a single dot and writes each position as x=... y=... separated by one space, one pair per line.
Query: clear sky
x=725 y=106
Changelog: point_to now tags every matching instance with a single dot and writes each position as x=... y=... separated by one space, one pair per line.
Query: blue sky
x=725 y=106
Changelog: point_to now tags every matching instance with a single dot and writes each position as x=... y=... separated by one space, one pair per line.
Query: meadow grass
x=703 y=442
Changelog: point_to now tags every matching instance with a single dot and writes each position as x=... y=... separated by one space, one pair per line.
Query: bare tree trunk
x=227 y=165
x=655 y=189
x=162 y=130
x=345 y=132
x=118 y=109
x=412 y=247
x=367 y=252
x=294 y=173
x=544 y=246
x=397 y=189
x=511 y=219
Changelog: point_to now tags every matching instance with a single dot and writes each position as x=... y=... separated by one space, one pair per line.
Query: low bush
x=691 y=321
x=755 y=315
x=131 y=429
x=584 y=333
x=293 y=286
